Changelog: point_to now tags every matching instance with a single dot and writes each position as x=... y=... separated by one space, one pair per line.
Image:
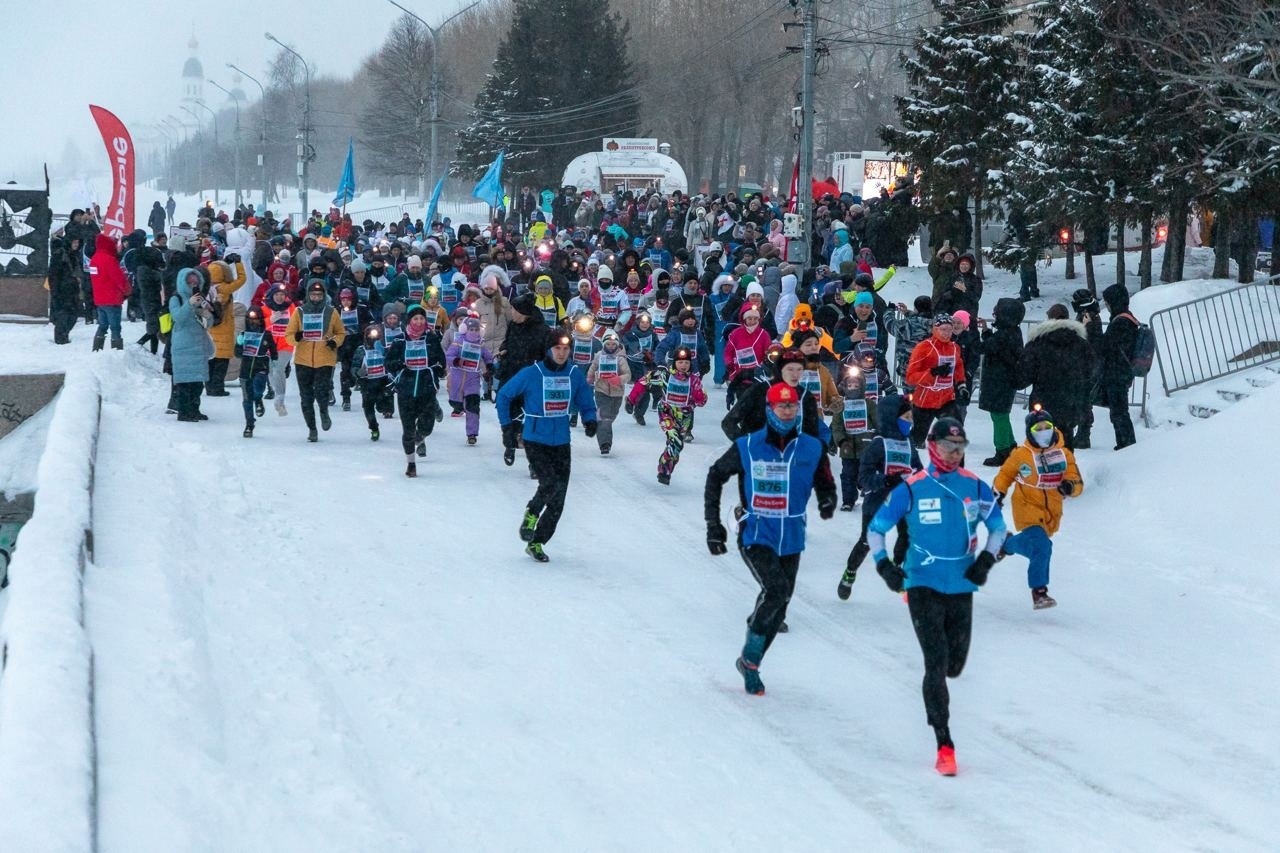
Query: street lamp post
x=217 y=199
x=262 y=131
x=236 y=101
x=435 y=81
x=199 y=149
x=304 y=149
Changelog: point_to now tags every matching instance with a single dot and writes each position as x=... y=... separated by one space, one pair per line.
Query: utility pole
x=236 y=101
x=435 y=81
x=262 y=132
x=305 y=152
x=804 y=197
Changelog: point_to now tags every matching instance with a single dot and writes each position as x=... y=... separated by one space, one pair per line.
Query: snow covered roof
x=589 y=170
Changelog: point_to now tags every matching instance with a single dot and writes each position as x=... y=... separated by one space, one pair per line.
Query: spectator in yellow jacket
x=223 y=284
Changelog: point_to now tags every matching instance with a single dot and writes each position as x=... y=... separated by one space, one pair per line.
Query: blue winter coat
x=942 y=512
x=673 y=341
x=190 y=346
x=547 y=421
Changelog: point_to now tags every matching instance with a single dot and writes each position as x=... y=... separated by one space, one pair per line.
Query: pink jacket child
x=469 y=361
x=745 y=349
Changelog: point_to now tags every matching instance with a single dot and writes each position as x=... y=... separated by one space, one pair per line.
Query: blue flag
x=347 y=184
x=435 y=200
x=489 y=190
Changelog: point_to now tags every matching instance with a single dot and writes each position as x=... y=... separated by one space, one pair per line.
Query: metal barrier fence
x=1218 y=335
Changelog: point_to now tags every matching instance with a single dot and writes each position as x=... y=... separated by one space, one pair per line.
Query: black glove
x=509 y=437
x=942 y=370
x=589 y=428
x=962 y=395
x=457 y=362
x=1067 y=487
x=977 y=573
x=297 y=336
x=833 y=449
x=717 y=536
x=826 y=507
x=894 y=576
x=331 y=343
x=231 y=258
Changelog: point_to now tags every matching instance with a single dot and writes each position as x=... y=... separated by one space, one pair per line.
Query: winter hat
x=285 y=256
x=947 y=428
x=748 y=308
x=942 y=320
x=315 y=285
x=754 y=289
x=961 y=317
x=741 y=269
x=358 y=265
x=863 y=298
x=414 y=262
x=715 y=247
x=807 y=335
x=781 y=392
x=606 y=274
x=1082 y=300
x=1037 y=415
x=838 y=225
x=525 y=304
x=790 y=356
x=610 y=335
x=683 y=354
x=346 y=292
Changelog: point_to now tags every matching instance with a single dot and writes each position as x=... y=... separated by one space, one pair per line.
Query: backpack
x=1144 y=347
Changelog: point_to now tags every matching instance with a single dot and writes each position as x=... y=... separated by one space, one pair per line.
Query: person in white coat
x=787 y=302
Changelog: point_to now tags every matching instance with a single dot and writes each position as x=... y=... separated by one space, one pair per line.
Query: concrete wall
x=24 y=395
x=24 y=295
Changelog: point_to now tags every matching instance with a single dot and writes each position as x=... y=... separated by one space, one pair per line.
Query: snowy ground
x=298 y=649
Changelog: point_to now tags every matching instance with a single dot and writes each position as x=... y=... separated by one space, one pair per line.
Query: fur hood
x=1050 y=326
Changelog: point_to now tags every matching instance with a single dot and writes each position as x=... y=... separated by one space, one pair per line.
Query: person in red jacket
x=110 y=289
x=935 y=370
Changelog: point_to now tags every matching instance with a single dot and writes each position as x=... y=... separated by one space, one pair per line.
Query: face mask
x=904 y=426
x=781 y=426
x=1042 y=437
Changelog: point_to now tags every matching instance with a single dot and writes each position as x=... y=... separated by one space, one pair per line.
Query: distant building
x=192 y=77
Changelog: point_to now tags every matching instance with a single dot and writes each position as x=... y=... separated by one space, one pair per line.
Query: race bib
x=391 y=334
x=746 y=358
x=660 y=322
x=678 y=391
x=689 y=340
x=350 y=320
x=279 y=323
x=609 y=307
x=549 y=315
x=362 y=293
x=313 y=326
x=375 y=366
x=582 y=350
x=770 y=490
x=417 y=287
x=811 y=382
x=1051 y=467
x=897 y=457
x=448 y=299
x=855 y=416
x=608 y=366
x=415 y=354
x=941 y=383
x=645 y=343
x=556 y=392
x=469 y=357
x=252 y=347
x=382 y=283
x=871 y=390
x=433 y=320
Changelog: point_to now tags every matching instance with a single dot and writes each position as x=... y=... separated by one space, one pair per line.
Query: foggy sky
x=56 y=58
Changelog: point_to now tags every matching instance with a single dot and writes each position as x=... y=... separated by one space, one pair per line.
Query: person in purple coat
x=469 y=362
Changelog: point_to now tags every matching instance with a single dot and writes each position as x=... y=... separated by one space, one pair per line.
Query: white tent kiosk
x=632 y=164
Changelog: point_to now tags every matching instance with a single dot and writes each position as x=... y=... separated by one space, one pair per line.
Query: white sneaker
x=280 y=410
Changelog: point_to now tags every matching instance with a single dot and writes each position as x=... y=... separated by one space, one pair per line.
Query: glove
x=509 y=438
x=1067 y=487
x=717 y=536
x=962 y=395
x=457 y=362
x=297 y=336
x=894 y=576
x=833 y=449
x=231 y=258
x=826 y=508
x=589 y=428
x=331 y=343
x=941 y=370
x=977 y=573
x=240 y=343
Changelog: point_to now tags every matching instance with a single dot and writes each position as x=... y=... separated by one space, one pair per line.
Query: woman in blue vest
x=550 y=389
x=943 y=506
x=777 y=467
x=417 y=363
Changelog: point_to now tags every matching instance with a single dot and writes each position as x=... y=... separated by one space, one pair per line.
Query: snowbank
x=46 y=735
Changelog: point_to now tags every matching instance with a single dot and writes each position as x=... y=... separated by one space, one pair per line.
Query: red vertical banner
x=118 y=220
x=795 y=186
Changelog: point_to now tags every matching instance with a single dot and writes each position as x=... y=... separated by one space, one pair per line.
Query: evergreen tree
x=952 y=121
x=560 y=82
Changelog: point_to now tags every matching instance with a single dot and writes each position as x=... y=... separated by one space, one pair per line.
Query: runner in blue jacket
x=943 y=506
x=777 y=467
x=550 y=389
